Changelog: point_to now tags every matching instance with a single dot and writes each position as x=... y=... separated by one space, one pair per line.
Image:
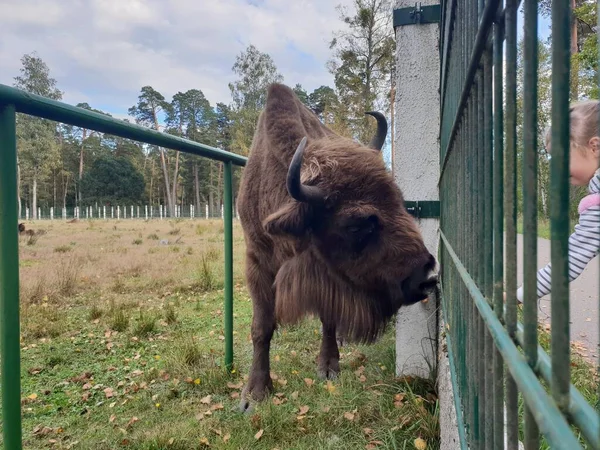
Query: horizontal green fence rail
x=14 y=101
x=495 y=359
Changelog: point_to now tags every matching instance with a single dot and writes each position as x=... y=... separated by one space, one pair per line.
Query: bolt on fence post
x=228 y=231
x=9 y=282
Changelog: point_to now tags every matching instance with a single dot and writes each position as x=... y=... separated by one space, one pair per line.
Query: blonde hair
x=584 y=124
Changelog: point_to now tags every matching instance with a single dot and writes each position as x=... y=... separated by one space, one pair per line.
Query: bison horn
x=382 y=126
x=296 y=189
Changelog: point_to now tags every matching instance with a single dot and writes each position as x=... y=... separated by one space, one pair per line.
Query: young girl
x=584 y=243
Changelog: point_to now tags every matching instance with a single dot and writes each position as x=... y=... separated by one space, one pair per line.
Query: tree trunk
x=574 y=51
x=152 y=183
x=83 y=138
x=196 y=186
x=34 y=203
x=175 y=178
x=65 y=189
x=19 y=186
x=54 y=189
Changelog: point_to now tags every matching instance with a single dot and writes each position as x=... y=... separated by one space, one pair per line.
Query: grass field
x=122 y=347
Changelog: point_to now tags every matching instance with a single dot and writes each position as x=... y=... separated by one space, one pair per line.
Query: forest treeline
x=63 y=166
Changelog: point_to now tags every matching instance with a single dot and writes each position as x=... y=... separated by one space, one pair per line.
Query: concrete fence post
x=416 y=169
x=51 y=213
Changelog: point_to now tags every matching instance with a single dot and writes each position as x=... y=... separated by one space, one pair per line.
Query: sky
x=103 y=51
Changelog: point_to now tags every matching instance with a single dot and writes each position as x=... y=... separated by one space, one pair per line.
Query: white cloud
x=104 y=51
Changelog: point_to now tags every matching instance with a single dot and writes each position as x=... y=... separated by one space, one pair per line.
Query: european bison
x=327 y=234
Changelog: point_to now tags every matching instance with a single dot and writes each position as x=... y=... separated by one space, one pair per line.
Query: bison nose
x=420 y=282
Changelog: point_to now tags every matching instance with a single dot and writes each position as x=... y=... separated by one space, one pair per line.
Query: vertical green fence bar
x=9 y=281
x=228 y=235
x=498 y=238
x=530 y=161
x=488 y=239
x=510 y=211
x=559 y=201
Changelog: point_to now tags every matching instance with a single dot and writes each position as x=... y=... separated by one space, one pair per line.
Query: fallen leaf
x=309 y=381
x=349 y=416
x=367 y=431
x=326 y=409
x=294 y=395
x=330 y=387
x=277 y=401
x=235 y=395
x=112 y=418
x=217 y=432
x=235 y=385
x=304 y=410
x=216 y=406
x=206 y=400
x=362 y=378
x=277 y=358
x=282 y=381
x=420 y=444
x=112 y=405
x=204 y=441
x=32 y=396
x=259 y=434
x=226 y=437
x=109 y=392
x=171 y=441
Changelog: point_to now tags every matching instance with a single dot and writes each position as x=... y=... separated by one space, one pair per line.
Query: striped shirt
x=584 y=243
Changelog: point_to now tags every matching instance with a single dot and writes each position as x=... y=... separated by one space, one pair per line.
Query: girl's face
x=584 y=162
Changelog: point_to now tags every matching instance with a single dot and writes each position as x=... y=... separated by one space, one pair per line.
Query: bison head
x=352 y=233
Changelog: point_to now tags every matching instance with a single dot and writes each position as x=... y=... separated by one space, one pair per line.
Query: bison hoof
x=255 y=391
x=328 y=370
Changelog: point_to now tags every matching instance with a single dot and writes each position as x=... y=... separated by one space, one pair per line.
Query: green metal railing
x=13 y=101
x=494 y=359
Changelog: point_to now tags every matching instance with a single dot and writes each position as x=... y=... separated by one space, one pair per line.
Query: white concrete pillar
x=39 y=216
x=206 y=208
x=161 y=212
x=64 y=213
x=416 y=169
x=138 y=212
x=51 y=213
x=146 y=211
x=118 y=213
x=104 y=211
x=112 y=212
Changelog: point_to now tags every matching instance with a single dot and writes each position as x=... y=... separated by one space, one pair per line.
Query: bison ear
x=291 y=219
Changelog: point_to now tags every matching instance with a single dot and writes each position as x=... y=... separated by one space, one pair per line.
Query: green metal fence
x=494 y=358
x=11 y=102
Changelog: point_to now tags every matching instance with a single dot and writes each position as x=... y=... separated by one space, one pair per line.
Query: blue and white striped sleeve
x=584 y=245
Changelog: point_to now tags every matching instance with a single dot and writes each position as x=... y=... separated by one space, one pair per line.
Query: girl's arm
x=584 y=244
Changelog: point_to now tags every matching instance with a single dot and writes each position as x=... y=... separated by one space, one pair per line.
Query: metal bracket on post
x=417 y=15
x=424 y=209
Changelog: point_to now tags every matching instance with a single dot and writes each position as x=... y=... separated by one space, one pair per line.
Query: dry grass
x=122 y=347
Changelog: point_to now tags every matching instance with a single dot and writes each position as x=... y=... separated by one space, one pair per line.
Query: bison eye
x=362 y=226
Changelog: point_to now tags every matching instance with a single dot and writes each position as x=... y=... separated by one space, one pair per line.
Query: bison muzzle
x=327 y=234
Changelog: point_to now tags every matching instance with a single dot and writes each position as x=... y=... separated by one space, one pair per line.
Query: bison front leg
x=328 y=362
x=259 y=383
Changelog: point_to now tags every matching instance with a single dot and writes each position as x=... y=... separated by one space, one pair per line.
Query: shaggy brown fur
x=21 y=228
x=352 y=259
